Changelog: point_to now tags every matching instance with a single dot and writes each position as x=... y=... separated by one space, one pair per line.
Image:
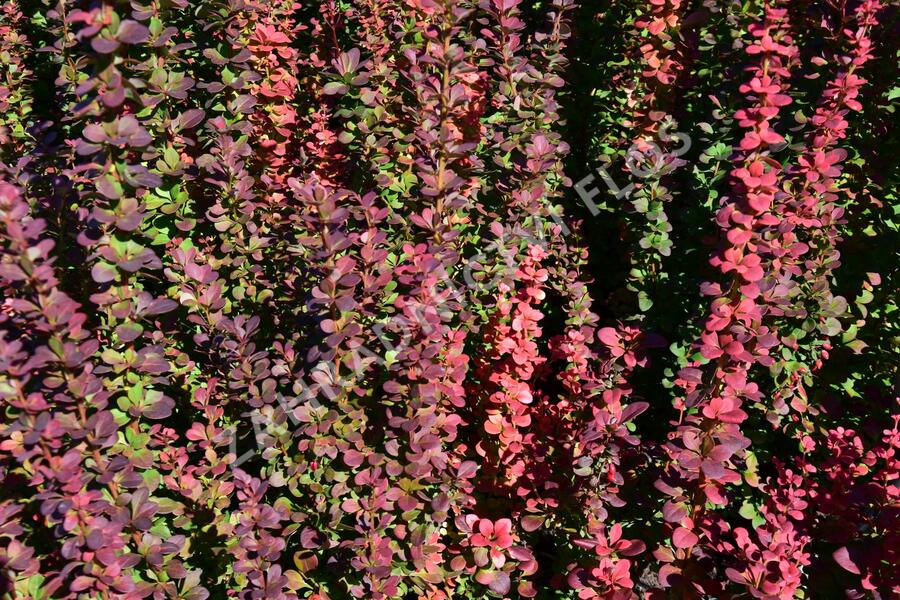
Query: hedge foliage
x=447 y=299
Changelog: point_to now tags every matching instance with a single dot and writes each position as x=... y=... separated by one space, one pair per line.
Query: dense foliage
x=433 y=299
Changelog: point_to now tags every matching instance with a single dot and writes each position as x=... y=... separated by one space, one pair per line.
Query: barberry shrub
x=438 y=299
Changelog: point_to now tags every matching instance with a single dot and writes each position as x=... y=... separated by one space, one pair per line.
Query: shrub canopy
x=447 y=299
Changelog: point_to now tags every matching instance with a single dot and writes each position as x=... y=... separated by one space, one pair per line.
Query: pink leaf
x=684 y=538
x=842 y=557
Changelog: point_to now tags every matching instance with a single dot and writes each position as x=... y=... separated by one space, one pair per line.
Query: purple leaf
x=104 y=45
x=132 y=32
x=191 y=118
x=633 y=410
x=103 y=272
